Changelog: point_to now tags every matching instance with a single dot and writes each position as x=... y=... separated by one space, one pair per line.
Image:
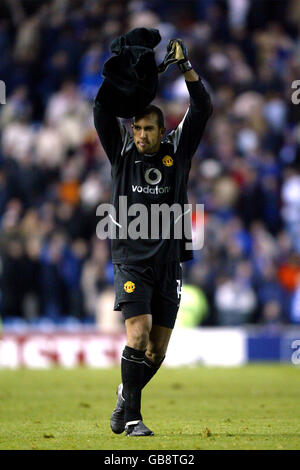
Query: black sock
x=132 y=370
x=150 y=370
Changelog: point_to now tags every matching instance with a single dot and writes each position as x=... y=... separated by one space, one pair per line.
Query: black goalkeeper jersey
x=152 y=180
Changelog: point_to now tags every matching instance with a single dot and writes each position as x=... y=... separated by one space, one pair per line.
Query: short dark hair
x=151 y=109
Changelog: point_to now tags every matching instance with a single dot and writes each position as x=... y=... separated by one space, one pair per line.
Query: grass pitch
x=251 y=407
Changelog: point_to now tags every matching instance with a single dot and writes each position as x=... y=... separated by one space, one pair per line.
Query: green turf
x=252 y=407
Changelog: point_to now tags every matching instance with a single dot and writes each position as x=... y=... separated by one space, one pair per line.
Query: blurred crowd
x=246 y=171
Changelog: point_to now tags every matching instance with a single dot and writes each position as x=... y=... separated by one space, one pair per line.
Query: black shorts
x=151 y=288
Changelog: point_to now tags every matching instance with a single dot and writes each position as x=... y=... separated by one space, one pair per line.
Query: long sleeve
x=186 y=137
x=112 y=133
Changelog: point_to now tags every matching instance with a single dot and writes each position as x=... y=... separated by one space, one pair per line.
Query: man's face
x=147 y=135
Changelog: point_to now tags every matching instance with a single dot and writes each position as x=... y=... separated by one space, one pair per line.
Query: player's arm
x=187 y=135
x=192 y=126
x=112 y=133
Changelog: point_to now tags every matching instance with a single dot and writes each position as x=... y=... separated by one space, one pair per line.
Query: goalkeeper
x=149 y=168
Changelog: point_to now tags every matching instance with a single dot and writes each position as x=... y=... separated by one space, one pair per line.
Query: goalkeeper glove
x=176 y=54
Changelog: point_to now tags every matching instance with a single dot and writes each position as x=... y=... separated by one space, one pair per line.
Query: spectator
x=235 y=299
x=272 y=313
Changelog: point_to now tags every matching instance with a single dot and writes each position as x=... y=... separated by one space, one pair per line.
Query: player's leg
x=138 y=368
x=141 y=367
x=138 y=329
x=133 y=286
x=132 y=364
x=128 y=408
x=156 y=351
x=164 y=309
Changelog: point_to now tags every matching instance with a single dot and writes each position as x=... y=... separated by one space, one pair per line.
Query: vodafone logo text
x=149 y=190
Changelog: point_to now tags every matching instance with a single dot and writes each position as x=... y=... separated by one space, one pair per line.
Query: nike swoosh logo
x=138 y=161
x=137 y=358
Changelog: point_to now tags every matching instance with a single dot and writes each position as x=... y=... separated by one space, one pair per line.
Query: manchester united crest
x=129 y=287
x=168 y=160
